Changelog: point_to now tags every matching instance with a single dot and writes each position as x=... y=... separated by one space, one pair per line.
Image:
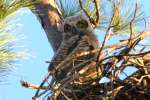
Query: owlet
x=78 y=37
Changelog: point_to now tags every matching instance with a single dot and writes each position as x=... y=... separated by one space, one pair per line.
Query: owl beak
x=74 y=30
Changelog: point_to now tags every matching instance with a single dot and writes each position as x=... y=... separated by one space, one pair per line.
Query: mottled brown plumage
x=78 y=37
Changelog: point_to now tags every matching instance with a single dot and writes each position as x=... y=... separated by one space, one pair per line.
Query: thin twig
x=32 y=86
x=80 y=2
x=45 y=79
x=131 y=23
x=66 y=97
x=121 y=55
x=95 y=23
x=97 y=12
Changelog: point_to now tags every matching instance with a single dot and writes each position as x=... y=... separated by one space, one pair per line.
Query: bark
x=50 y=19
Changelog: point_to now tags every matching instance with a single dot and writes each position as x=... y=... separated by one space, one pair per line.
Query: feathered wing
x=62 y=52
x=84 y=44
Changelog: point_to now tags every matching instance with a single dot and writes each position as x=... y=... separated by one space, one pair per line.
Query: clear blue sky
x=34 y=68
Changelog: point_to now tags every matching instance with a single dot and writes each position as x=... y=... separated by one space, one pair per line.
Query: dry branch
x=32 y=86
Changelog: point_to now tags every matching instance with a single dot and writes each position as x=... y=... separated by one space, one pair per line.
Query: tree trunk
x=50 y=19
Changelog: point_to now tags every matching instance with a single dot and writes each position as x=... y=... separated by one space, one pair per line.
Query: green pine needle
x=8 y=56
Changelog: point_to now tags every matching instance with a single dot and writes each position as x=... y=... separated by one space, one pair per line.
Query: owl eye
x=67 y=28
x=82 y=24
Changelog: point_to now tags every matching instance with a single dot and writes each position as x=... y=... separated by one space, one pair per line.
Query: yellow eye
x=82 y=24
x=67 y=28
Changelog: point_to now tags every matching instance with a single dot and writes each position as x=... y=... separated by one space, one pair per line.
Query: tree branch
x=32 y=86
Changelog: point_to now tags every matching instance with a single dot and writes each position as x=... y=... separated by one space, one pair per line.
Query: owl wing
x=63 y=51
x=83 y=45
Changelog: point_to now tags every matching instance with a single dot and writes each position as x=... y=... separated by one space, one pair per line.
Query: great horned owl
x=78 y=37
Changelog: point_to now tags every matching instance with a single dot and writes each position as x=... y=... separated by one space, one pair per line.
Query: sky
x=34 y=68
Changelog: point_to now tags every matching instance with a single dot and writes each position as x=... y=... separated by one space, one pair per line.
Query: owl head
x=79 y=23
